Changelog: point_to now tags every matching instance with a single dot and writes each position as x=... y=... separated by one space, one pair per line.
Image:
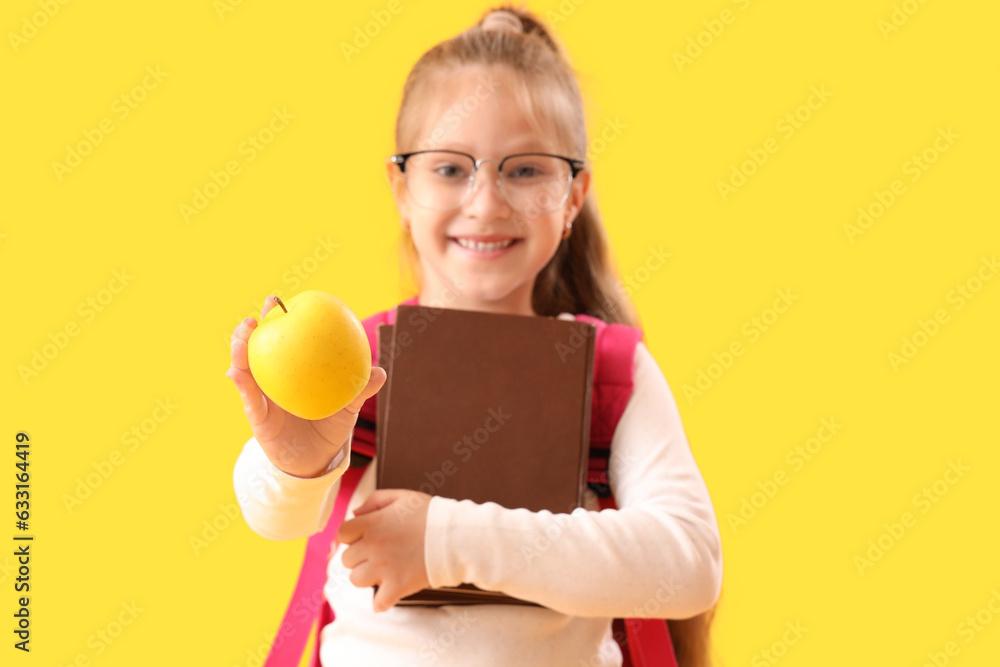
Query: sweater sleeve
x=658 y=555
x=280 y=506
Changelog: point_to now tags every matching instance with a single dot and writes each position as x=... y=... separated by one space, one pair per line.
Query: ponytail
x=580 y=277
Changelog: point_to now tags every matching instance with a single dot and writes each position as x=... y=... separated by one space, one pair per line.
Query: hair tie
x=501 y=19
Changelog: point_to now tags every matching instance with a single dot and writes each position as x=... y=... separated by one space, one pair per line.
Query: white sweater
x=659 y=555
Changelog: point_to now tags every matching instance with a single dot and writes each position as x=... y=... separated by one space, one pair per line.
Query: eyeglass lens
x=532 y=184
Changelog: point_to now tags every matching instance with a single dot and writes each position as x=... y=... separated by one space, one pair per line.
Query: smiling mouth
x=480 y=246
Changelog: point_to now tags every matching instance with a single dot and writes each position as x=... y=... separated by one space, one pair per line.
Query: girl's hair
x=581 y=277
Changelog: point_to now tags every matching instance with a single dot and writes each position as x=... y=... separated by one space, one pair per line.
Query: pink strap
x=649 y=642
x=308 y=596
x=614 y=355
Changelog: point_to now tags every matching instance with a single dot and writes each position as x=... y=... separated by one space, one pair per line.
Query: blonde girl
x=493 y=190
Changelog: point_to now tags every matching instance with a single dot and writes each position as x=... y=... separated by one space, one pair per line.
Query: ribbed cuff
x=443 y=562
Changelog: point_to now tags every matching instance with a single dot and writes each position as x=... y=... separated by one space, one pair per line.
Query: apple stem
x=281 y=304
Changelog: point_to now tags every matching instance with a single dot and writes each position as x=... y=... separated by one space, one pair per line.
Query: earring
x=569 y=226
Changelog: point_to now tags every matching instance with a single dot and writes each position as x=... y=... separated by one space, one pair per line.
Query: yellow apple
x=310 y=355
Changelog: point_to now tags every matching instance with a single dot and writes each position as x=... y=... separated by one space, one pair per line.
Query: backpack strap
x=613 y=361
x=305 y=603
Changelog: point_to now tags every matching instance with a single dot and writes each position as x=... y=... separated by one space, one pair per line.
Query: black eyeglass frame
x=576 y=166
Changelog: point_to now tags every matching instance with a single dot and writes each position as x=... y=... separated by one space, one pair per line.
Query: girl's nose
x=491 y=198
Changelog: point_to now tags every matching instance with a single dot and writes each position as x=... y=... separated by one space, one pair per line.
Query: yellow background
x=165 y=335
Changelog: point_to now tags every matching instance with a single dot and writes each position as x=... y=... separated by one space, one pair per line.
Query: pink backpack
x=644 y=642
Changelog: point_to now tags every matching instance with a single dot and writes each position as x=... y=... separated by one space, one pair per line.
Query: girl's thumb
x=375 y=382
x=378 y=499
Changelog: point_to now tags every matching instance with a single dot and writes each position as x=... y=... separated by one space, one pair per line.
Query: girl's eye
x=450 y=171
x=524 y=171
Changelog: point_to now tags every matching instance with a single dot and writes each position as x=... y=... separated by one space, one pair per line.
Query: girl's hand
x=386 y=538
x=300 y=447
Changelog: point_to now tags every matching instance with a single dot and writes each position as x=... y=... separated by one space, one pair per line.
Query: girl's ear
x=397 y=183
x=577 y=193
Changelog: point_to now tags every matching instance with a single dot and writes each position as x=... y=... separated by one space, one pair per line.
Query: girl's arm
x=659 y=555
x=280 y=506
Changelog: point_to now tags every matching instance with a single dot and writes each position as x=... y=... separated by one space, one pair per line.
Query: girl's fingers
x=375 y=382
x=350 y=531
x=241 y=334
x=353 y=556
x=362 y=576
x=254 y=404
x=386 y=596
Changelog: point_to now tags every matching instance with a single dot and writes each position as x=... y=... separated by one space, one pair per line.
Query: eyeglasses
x=532 y=183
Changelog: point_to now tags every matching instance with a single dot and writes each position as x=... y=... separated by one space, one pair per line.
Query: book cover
x=484 y=407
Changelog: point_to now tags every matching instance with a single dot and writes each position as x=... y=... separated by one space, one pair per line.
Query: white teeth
x=484 y=247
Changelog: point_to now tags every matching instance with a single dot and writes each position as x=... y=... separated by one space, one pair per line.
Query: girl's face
x=479 y=115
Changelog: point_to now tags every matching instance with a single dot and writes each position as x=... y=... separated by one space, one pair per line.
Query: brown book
x=484 y=407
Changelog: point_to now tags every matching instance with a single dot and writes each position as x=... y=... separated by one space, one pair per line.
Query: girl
x=494 y=200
